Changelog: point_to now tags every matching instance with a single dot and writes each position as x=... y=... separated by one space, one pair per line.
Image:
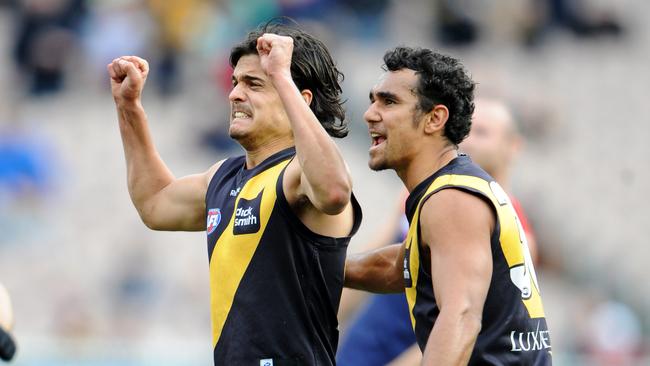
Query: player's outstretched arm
x=379 y=270
x=456 y=226
x=320 y=170
x=163 y=202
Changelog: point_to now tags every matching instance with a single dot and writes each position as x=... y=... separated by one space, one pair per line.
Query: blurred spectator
x=136 y=292
x=117 y=28
x=25 y=165
x=27 y=176
x=251 y=13
x=575 y=16
x=382 y=329
x=369 y=15
x=456 y=25
x=494 y=143
x=44 y=39
x=177 y=20
x=613 y=337
x=306 y=9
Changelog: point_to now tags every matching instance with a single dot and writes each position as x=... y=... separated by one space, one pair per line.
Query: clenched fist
x=128 y=75
x=275 y=54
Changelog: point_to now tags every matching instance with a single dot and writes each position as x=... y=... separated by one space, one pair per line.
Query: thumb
x=132 y=71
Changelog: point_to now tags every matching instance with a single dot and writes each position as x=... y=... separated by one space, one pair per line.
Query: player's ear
x=307 y=96
x=436 y=119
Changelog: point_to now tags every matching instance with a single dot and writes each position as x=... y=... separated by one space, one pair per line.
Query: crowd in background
x=92 y=286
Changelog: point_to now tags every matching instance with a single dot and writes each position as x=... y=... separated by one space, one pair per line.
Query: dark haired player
x=465 y=266
x=279 y=218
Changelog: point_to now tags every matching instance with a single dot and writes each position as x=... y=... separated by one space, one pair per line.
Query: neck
x=256 y=155
x=425 y=165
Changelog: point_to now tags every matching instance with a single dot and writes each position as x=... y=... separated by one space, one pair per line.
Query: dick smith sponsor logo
x=245 y=217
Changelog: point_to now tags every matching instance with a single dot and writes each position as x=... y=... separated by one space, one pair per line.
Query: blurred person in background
x=29 y=169
x=7 y=343
x=381 y=330
x=279 y=218
x=456 y=24
x=470 y=284
x=578 y=17
x=176 y=20
x=381 y=333
x=494 y=143
x=613 y=335
x=46 y=33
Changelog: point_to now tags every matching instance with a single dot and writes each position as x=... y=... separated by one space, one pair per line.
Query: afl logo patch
x=214 y=218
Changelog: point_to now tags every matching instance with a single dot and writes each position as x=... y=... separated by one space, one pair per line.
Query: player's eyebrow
x=247 y=78
x=383 y=95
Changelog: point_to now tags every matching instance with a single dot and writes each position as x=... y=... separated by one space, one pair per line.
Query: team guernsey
x=275 y=285
x=514 y=329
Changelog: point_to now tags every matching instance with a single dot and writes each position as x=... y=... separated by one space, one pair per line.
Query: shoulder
x=454 y=202
x=452 y=212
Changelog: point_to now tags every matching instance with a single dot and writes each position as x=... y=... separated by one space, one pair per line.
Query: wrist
x=134 y=104
x=281 y=77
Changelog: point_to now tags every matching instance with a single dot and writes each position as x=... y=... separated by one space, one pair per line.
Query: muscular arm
x=163 y=202
x=319 y=172
x=456 y=226
x=379 y=270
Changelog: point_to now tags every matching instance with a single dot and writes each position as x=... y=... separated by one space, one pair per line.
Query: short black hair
x=312 y=68
x=442 y=80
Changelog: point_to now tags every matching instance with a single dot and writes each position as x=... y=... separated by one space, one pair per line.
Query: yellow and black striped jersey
x=275 y=285
x=514 y=329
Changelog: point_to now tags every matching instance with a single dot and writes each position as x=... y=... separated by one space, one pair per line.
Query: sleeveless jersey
x=514 y=330
x=275 y=285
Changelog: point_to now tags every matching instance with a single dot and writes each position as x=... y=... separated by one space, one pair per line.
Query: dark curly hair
x=442 y=80
x=312 y=68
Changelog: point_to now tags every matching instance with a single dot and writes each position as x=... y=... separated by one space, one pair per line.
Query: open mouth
x=240 y=115
x=377 y=139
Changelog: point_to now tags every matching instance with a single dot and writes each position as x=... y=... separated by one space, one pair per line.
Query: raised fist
x=275 y=54
x=128 y=75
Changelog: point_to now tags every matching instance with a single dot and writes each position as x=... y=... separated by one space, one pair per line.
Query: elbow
x=152 y=225
x=336 y=199
x=474 y=324
x=468 y=319
x=149 y=222
x=472 y=321
x=146 y=212
x=338 y=195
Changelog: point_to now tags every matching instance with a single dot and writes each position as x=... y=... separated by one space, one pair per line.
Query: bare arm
x=379 y=270
x=319 y=172
x=456 y=226
x=163 y=202
x=385 y=235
